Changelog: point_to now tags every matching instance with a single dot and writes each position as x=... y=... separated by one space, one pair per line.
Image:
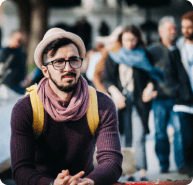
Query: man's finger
x=85 y=183
x=88 y=182
x=75 y=177
x=66 y=179
x=63 y=174
x=74 y=183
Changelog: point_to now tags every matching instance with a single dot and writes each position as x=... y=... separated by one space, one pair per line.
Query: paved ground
x=153 y=171
x=153 y=167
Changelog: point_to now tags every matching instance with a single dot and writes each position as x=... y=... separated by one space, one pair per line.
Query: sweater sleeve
x=23 y=146
x=109 y=155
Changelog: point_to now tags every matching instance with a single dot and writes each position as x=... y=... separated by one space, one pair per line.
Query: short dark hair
x=54 y=46
x=188 y=15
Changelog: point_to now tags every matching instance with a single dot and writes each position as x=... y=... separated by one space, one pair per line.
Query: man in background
x=13 y=60
x=163 y=100
x=179 y=79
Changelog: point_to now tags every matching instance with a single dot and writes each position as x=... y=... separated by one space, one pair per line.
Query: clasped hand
x=64 y=178
x=149 y=93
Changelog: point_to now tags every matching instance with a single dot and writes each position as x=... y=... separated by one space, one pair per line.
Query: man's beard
x=190 y=37
x=68 y=88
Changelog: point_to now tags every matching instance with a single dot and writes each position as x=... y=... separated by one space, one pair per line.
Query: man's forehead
x=168 y=24
x=70 y=46
x=186 y=22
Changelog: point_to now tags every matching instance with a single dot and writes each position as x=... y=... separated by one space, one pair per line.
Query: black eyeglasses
x=60 y=63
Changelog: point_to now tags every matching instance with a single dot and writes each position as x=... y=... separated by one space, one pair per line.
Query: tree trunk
x=24 y=9
x=39 y=15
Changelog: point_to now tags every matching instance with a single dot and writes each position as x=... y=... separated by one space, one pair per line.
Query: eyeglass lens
x=75 y=63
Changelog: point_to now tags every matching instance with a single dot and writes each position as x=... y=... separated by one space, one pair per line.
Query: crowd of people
x=157 y=77
x=53 y=140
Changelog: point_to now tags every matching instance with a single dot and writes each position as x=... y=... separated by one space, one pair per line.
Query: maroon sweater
x=65 y=145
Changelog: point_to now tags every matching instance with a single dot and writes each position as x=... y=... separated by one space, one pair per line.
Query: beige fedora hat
x=53 y=34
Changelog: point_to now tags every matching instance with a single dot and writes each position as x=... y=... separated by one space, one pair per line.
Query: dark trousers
x=187 y=130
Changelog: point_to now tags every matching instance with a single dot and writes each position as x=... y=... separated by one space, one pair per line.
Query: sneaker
x=131 y=178
x=143 y=179
x=164 y=171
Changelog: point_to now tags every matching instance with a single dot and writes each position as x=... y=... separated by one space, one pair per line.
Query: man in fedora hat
x=63 y=151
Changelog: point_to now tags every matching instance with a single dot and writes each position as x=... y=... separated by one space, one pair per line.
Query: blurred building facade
x=97 y=10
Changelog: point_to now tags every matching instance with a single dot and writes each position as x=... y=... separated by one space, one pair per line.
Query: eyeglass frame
x=51 y=62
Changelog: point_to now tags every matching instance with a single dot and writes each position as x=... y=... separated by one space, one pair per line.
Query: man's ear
x=45 y=71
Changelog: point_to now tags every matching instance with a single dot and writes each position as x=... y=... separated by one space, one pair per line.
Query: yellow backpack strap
x=38 y=110
x=92 y=112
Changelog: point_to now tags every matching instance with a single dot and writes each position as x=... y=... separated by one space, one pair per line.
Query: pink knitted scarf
x=56 y=108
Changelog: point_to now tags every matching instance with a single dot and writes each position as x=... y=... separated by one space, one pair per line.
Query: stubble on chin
x=65 y=88
x=188 y=36
x=69 y=87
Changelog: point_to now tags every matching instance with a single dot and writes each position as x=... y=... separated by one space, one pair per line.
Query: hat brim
x=58 y=35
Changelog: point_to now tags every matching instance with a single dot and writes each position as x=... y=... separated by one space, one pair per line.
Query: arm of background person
x=99 y=70
x=110 y=80
x=23 y=146
x=110 y=74
x=149 y=91
x=109 y=155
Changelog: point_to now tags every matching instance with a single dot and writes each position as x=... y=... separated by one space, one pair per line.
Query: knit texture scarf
x=56 y=108
x=137 y=58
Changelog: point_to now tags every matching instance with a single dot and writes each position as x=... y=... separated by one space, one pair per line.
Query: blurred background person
x=34 y=77
x=111 y=43
x=179 y=79
x=125 y=77
x=163 y=99
x=13 y=58
x=93 y=60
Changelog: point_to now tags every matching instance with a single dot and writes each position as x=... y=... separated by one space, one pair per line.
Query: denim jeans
x=134 y=131
x=163 y=111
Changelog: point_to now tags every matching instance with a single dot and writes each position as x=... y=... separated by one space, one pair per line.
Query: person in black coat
x=14 y=59
x=162 y=104
x=179 y=79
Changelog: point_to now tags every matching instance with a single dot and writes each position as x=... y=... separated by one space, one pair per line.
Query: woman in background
x=126 y=74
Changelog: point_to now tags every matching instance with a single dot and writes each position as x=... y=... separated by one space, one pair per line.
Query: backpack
x=38 y=111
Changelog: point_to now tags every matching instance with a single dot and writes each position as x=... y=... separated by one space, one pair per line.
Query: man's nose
x=67 y=66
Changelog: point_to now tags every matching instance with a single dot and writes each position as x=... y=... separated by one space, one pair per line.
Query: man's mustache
x=69 y=74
